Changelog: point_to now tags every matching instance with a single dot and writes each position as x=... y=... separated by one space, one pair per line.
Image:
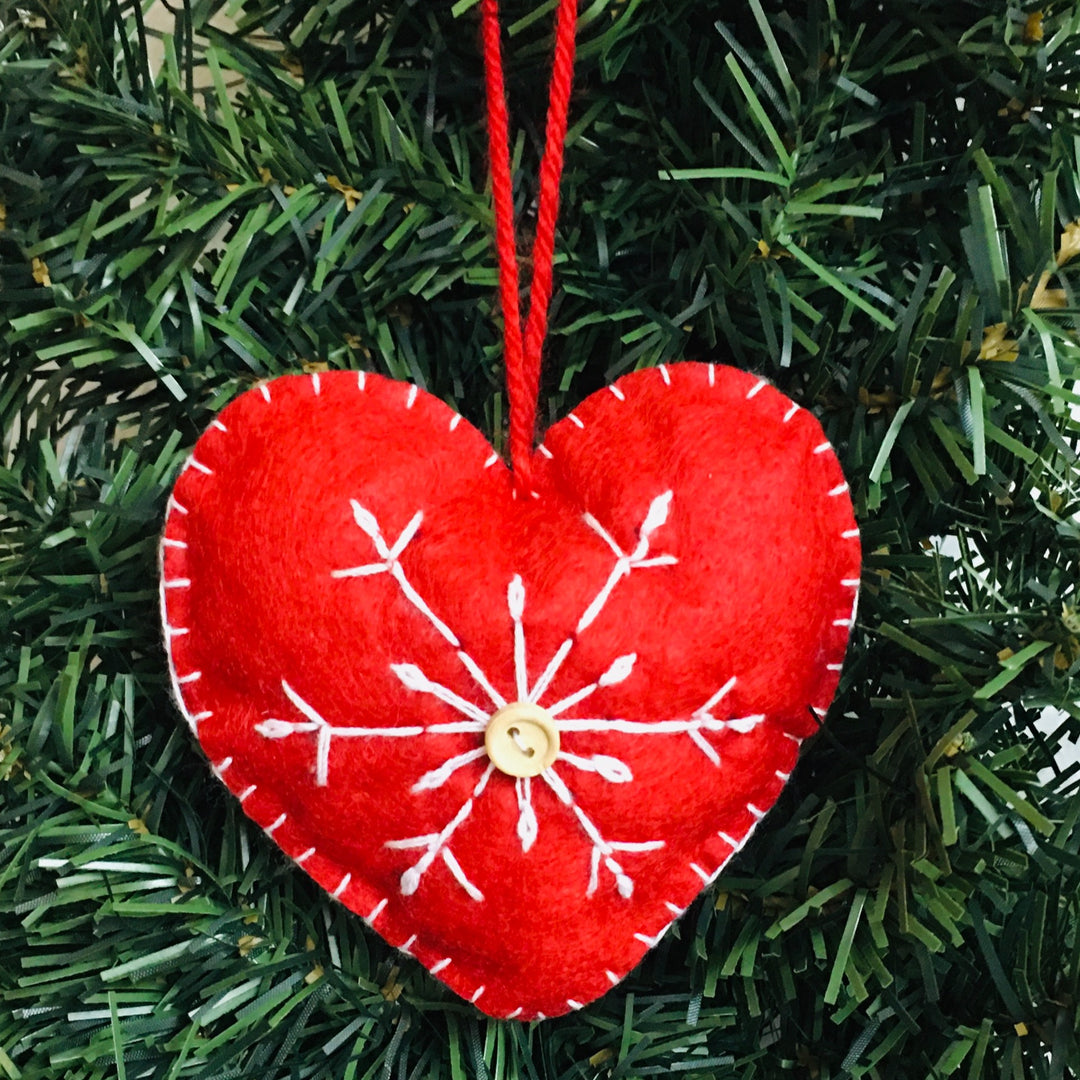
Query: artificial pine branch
x=872 y=204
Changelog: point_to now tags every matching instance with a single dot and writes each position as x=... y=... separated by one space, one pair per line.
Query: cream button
x=522 y=739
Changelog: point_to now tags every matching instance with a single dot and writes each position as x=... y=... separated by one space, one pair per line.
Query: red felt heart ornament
x=517 y=735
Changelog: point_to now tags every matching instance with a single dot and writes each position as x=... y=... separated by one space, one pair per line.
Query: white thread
x=361 y=380
x=759 y=814
x=712 y=374
x=843 y=622
x=264 y=390
x=822 y=447
x=603 y=534
x=545 y=451
x=414 y=679
x=247 y=793
x=194 y=676
x=624 y=564
x=839 y=489
x=834 y=667
x=304 y=856
x=790 y=413
x=603 y=849
x=178 y=583
x=440 y=966
x=783 y=777
x=476 y=994
x=705 y=747
x=850 y=534
x=657 y=515
x=406 y=946
x=757 y=388
x=177 y=631
x=574 y=420
x=715 y=699
x=168 y=541
x=454 y=421
x=549 y=672
x=435 y=843
x=368 y=524
x=664 y=374
x=618 y=672
x=617 y=392
x=437 y=777
x=343 y=884
x=377 y=910
x=652 y=942
x=796 y=739
x=850 y=582
x=575 y=1005
x=515 y=603
x=611 y=977
x=736 y=845
x=517 y=1012
x=280 y=729
x=410 y=401
x=270 y=829
x=459 y=876
x=659 y=727
x=175 y=505
x=607 y=767
x=700 y=873
x=199 y=717
x=359 y=571
x=414 y=598
x=481 y=679
x=219 y=425
x=406 y=536
x=221 y=766
x=674 y=908
x=315 y=382
x=528 y=828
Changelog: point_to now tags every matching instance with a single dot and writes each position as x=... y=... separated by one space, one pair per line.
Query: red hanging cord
x=522 y=355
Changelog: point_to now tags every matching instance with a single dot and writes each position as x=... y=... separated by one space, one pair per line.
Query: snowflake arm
x=390 y=563
x=436 y=845
x=603 y=850
x=415 y=679
x=474 y=718
x=606 y=767
x=701 y=721
x=437 y=777
x=325 y=732
x=624 y=564
x=619 y=671
x=528 y=828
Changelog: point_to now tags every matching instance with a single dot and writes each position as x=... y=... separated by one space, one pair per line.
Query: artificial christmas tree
x=870 y=205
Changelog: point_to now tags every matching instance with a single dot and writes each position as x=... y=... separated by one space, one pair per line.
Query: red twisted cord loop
x=522 y=356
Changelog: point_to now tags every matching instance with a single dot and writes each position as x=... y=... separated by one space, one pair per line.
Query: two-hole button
x=522 y=739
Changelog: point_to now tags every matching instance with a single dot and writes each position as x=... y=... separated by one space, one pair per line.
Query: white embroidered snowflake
x=433 y=847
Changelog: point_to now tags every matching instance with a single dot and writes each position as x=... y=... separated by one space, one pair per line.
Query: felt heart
x=516 y=735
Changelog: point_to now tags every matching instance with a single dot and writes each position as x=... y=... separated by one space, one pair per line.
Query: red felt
x=763 y=591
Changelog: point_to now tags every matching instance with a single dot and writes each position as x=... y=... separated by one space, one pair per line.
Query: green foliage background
x=866 y=201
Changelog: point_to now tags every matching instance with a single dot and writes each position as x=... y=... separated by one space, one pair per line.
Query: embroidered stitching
x=438 y=846
x=613 y=768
